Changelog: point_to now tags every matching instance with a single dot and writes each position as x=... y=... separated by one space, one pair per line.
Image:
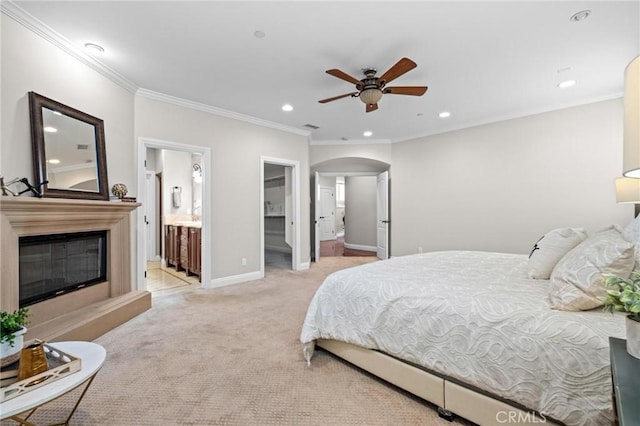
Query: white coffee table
x=92 y=357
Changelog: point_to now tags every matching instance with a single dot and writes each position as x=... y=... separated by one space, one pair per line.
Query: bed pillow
x=631 y=233
x=549 y=249
x=577 y=280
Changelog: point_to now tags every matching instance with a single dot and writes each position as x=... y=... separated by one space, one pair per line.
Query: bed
x=471 y=333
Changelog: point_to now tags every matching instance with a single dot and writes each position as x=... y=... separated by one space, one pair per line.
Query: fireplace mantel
x=22 y=216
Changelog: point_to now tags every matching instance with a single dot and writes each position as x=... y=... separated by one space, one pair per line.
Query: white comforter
x=474 y=316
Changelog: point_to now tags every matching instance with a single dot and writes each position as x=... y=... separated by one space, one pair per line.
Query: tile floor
x=161 y=278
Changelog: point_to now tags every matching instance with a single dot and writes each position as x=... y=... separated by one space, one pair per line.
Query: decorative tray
x=61 y=364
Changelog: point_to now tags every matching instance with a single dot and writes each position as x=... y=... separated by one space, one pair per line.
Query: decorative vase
x=10 y=354
x=633 y=337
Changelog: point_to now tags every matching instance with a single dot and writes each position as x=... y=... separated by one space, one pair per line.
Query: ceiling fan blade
x=343 y=76
x=406 y=90
x=372 y=107
x=324 y=101
x=402 y=66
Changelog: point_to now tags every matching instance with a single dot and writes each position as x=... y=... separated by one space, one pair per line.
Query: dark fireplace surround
x=91 y=310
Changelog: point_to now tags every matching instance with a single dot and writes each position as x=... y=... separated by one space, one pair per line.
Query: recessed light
x=367 y=133
x=94 y=49
x=54 y=161
x=50 y=129
x=444 y=114
x=567 y=83
x=580 y=16
x=259 y=34
x=287 y=107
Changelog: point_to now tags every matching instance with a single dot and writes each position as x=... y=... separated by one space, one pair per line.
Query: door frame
x=295 y=205
x=316 y=200
x=207 y=216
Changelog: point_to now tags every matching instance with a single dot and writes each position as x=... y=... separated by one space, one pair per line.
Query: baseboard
x=360 y=247
x=235 y=279
x=304 y=266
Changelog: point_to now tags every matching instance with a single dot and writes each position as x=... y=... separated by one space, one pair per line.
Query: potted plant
x=623 y=294
x=12 y=329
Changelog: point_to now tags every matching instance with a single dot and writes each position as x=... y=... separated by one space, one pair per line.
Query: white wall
x=360 y=210
x=177 y=171
x=499 y=187
x=30 y=63
x=236 y=148
x=380 y=152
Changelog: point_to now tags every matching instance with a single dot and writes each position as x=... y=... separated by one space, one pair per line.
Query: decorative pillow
x=631 y=233
x=549 y=249
x=577 y=280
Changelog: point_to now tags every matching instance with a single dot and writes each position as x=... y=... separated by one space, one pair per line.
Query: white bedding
x=475 y=317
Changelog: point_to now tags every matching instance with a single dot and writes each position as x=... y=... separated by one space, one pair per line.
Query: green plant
x=623 y=294
x=12 y=322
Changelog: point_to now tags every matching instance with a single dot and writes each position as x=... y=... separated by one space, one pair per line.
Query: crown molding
x=351 y=142
x=13 y=11
x=218 y=111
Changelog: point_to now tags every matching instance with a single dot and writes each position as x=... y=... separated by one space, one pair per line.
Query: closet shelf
x=274 y=215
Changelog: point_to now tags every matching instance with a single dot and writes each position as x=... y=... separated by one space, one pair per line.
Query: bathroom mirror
x=68 y=150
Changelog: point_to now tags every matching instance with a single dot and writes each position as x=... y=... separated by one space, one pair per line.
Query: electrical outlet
x=419 y=249
x=243 y=261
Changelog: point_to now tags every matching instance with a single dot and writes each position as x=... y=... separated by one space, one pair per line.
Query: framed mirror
x=68 y=150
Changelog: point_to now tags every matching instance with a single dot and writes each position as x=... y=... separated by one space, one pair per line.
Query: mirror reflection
x=70 y=152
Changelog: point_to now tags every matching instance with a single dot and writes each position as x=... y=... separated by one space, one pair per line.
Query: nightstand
x=625 y=374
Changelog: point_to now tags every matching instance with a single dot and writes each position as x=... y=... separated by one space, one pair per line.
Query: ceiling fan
x=371 y=88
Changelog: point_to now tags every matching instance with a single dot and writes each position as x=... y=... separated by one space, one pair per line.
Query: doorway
x=280 y=214
x=169 y=176
x=277 y=220
x=357 y=204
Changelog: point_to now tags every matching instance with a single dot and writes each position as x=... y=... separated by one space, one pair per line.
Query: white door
x=383 y=215
x=288 y=206
x=327 y=213
x=315 y=206
x=150 y=216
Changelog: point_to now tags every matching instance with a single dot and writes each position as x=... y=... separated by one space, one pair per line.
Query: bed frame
x=451 y=397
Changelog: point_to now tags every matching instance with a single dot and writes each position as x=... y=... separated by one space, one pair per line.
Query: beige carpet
x=231 y=356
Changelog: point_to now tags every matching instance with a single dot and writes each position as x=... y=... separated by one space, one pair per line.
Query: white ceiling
x=482 y=61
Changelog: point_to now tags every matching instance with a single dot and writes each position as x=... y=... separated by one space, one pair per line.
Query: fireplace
x=53 y=265
x=93 y=298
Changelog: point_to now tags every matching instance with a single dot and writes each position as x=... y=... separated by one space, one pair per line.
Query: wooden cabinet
x=195 y=252
x=183 y=248
x=172 y=246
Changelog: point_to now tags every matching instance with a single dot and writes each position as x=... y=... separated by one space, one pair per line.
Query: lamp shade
x=371 y=96
x=631 y=158
x=628 y=190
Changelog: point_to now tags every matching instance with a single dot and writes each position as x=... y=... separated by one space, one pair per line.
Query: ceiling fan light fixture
x=371 y=96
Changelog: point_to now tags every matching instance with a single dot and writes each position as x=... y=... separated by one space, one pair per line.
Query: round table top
x=92 y=357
